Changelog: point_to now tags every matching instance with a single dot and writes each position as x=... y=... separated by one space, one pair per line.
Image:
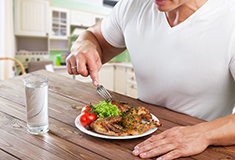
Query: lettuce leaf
x=106 y=109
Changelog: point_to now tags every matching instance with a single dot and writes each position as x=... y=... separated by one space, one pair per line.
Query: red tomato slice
x=92 y=117
x=86 y=118
x=86 y=108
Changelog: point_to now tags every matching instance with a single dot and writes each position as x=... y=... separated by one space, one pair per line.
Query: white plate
x=89 y=132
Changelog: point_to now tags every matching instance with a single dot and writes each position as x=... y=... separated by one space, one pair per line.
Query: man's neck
x=181 y=13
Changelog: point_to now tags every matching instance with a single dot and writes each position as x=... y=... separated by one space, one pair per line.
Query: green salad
x=106 y=109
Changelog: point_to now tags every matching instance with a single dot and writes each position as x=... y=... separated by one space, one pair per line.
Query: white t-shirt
x=189 y=68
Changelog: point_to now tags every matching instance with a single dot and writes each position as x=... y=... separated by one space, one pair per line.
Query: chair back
x=16 y=61
x=38 y=65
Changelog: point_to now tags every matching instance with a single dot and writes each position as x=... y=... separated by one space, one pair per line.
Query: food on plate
x=86 y=108
x=87 y=115
x=117 y=118
x=106 y=109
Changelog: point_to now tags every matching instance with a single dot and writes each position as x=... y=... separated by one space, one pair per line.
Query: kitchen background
x=44 y=30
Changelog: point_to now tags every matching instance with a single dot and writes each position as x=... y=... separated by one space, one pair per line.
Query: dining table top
x=64 y=140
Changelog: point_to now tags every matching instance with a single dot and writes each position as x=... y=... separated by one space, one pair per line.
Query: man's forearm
x=220 y=131
x=86 y=37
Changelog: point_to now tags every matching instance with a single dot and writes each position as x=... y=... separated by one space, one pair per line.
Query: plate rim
x=94 y=134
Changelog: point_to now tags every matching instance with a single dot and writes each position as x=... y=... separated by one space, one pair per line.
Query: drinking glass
x=36 y=93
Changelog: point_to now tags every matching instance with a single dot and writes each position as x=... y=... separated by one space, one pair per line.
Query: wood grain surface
x=64 y=140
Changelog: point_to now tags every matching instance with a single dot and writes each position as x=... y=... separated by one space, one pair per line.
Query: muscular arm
x=107 y=50
x=89 y=52
x=94 y=36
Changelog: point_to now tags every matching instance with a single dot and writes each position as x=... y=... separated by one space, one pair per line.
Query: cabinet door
x=106 y=76
x=31 y=18
x=131 y=89
x=120 y=80
x=83 y=19
x=60 y=28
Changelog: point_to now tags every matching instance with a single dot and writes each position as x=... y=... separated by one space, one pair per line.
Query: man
x=183 y=54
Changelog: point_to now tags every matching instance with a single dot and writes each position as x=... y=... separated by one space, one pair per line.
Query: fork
x=104 y=93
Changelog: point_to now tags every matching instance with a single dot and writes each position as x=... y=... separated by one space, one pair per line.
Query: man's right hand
x=89 y=52
x=84 y=59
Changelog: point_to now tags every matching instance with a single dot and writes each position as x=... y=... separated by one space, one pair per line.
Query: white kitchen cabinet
x=60 y=26
x=125 y=81
x=106 y=76
x=118 y=77
x=120 y=80
x=82 y=19
x=131 y=88
x=59 y=34
x=30 y=18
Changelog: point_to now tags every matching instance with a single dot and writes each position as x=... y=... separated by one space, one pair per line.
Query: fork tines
x=104 y=93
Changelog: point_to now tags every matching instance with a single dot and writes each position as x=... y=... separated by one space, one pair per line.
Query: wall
x=83 y=5
x=95 y=6
x=1 y=37
x=7 y=42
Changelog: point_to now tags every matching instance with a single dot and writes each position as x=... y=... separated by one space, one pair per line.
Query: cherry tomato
x=86 y=118
x=86 y=108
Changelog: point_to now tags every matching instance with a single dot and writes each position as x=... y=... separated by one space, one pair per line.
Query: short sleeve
x=112 y=25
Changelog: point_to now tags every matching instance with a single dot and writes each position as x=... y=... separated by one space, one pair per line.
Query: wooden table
x=64 y=140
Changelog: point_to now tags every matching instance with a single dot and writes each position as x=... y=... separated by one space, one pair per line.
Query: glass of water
x=36 y=93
